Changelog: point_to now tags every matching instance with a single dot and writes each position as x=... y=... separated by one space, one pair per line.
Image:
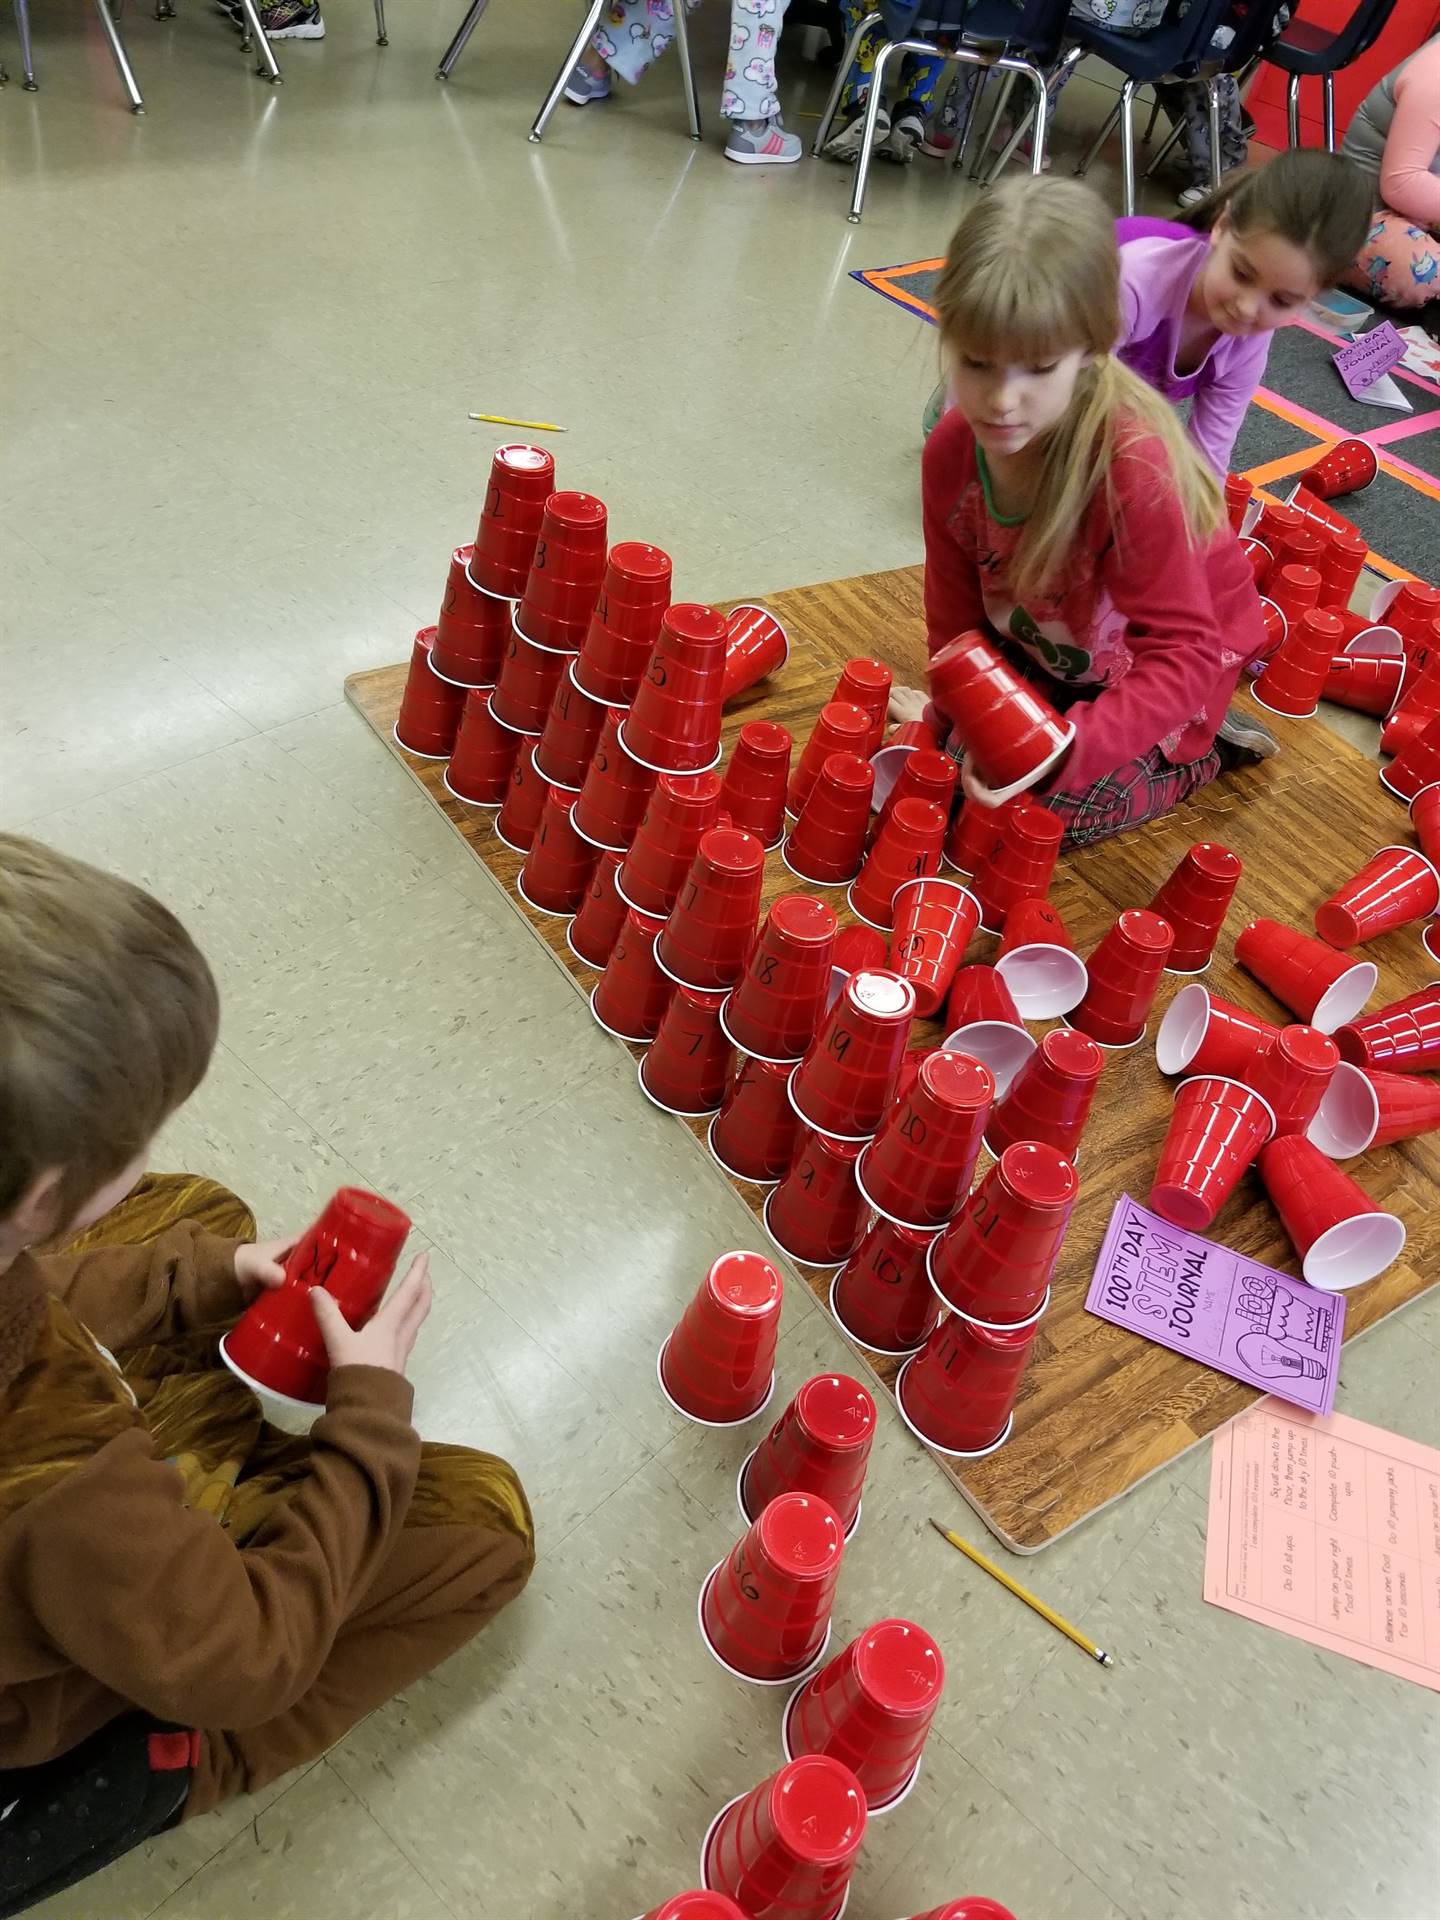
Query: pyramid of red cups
x=568 y=693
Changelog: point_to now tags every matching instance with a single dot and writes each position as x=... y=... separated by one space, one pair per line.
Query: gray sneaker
x=845 y=145
x=1247 y=737
x=762 y=143
x=582 y=87
x=903 y=140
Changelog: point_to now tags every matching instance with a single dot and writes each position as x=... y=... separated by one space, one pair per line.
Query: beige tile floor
x=239 y=341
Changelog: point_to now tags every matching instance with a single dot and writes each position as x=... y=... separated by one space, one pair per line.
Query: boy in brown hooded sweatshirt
x=191 y=1603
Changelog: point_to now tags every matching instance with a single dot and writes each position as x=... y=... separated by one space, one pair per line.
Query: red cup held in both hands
x=826 y=845
x=871 y=1707
x=521 y=481
x=958 y=1393
x=1194 y=902
x=907 y=847
x=1320 y=986
x=754 y=1135
x=753 y=793
x=765 y=1609
x=1051 y=1096
x=1402 y=1038
x=689 y=1063
x=566 y=573
x=430 y=708
x=935 y=920
x=1342 y=1237
x=717 y=1366
x=674 y=720
x=1038 y=963
x=1009 y=728
x=519 y=817
x=592 y=934
x=680 y=810
x=1391 y=890
x=819 y=1445
x=614 y=793
x=787 y=1849
x=838 y=728
x=625 y=625
x=918 y=1168
x=558 y=863
x=472 y=631
x=845 y=1082
x=817 y=1212
x=711 y=928
x=755 y=645
x=994 y=1261
x=882 y=1297
x=631 y=995
x=1216 y=1132
x=484 y=755
x=1124 y=974
x=777 y=1006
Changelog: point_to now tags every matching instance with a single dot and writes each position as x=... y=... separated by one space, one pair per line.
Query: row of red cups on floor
x=782 y=1821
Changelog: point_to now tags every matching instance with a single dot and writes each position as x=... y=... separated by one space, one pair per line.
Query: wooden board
x=1100 y=1408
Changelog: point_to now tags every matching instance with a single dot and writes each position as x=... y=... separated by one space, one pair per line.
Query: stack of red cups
x=558 y=863
x=614 y=793
x=1296 y=672
x=754 y=1135
x=681 y=808
x=632 y=993
x=827 y=842
x=882 y=1297
x=689 y=1061
x=839 y=728
x=524 y=801
x=711 y=928
x=958 y=1393
x=483 y=756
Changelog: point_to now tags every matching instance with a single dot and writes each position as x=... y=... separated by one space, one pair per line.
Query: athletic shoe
x=1247 y=737
x=762 y=143
x=292 y=20
x=582 y=87
x=845 y=145
x=905 y=135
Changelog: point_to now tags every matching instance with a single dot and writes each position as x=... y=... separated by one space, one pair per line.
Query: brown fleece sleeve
x=155 y=1602
x=128 y=1295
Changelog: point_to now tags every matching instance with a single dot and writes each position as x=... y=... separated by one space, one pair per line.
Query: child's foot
x=845 y=145
x=762 y=143
x=586 y=83
x=1246 y=737
x=906 y=132
x=292 y=20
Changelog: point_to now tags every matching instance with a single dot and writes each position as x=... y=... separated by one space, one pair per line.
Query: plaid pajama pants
x=1141 y=790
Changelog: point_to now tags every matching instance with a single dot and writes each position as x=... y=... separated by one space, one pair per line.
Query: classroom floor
x=240 y=340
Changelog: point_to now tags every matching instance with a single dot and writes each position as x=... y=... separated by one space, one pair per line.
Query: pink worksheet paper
x=1330 y=1531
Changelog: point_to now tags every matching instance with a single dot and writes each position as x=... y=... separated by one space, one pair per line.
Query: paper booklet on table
x=1222 y=1308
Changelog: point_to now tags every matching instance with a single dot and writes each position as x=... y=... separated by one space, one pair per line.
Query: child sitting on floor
x=192 y=1603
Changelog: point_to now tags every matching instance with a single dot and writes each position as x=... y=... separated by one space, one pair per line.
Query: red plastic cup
x=958 y=1393
x=1419 y=700
x=1238 y=495
x=1410 y=606
x=980 y=993
x=1341 y=568
x=1202 y=1033
x=1292 y=1076
x=1304 y=548
x=1124 y=973
x=483 y=757
x=827 y=842
x=935 y=920
x=993 y=1262
x=430 y=708
x=754 y=1135
x=786 y=1850
x=529 y=676
x=973 y=832
x=817 y=1212
x=687 y=1068
x=472 y=631
x=1366 y=683
x=1342 y=1237
x=866 y=684
x=845 y=1082
x=1021 y=865
x=1276 y=521
x=1296 y=672
x=1320 y=986
x=1406 y=1108
x=1295 y=590
x=1194 y=902
x=753 y=793
x=1038 y=963
x=695 y=1906
x=1274 y=626
x=755 y=645
x=519 y=815
x=1417 y=764
x=1317 y=515
x=1216 y=1131
x=871 y=1708
x=907 y=847
x=559 y=864
x=1348 y=1118
x=1346 y=468
x=925 y=774
x=1425 y=816
x=777 y=1007
x=1010 y=729
x=566 y=573
x=838 y=729
x=1402 y=1038
x=572 y=728
x=1051 y=1096
x=625 y=625
x=711 y=928
x=614 y=793
x=882 y=1297
x=351 y=1252
x=718 y=1364
x=674 y=720
x=1259 y=556
x=1393 y=889
x=974 y=1907
x=918 y=1167
x=521 y=481
x=632 y=993
x=819 y=1445
x=592 y=934
x=891 y=759
x=765 y=1610
x=681 y=808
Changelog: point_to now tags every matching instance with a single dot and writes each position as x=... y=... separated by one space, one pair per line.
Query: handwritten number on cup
x=492 y=503
x=913 y=1128
x=766 y=969
x=840 y=1042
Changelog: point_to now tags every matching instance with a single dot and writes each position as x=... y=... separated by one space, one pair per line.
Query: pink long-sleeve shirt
x=1144 y=631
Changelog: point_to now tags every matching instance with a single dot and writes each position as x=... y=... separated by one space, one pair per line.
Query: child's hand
x=907 y=703
x=974 y=788
x=388 y=1340
x=261 y=1264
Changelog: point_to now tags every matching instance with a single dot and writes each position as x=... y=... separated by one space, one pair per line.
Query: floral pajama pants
x=1399 y=264
x=635 y=33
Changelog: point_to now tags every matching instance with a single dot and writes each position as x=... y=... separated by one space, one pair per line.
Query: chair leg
x=1149 y=134
x=992 y=121
x=1165 y=152
x=462 y=33
x=980 y=78
x=872 y=120
x=1329 y=113
x=1212 y=98
x=1051 y=85
x=117 y=50
x=687 y=71
x=266 y=65
x=27 y=57
x=1292 y=109
x=1097 y=143
x=382 y=38
x=577 y=47
x=1127 y=145
x=842 y=74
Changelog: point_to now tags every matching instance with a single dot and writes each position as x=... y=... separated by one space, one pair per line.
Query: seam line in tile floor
x=389 y=1838
x=252 y=732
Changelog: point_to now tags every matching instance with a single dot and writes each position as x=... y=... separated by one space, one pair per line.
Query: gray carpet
x=1301 y=369
x=1422 y=450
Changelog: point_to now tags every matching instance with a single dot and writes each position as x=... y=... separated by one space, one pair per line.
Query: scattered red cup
x=1364 y=682
x=625 y=625
x=351 y=1252
x=472 y=630
x=1009 y=728
x=1342 y=1237
x=1238 y=495
x=918 y=1167
x=1201 y=1033
x=519 y=816
x=871 y=1708
x=882 y=1297
x=1341 y=568
x=958 y=1393
x=1194 y=902
x=695 y=1906
x=1051 y=1096
x=1274 y=627
x=1417 y=764
x=1292 y=1076
x=563 y=584
x=1419 y=700
x=819 y=1445
x=528 y=678
x=974 y=1907
x=1349 y=466
x=1124 y=974
x=925 y=774
x=1402 y=1038
x=753 y=793
x=994 y=1261
x=686 y=1069
x=859 y=949
x=592 y=934
x=711 y=928
x=985 y=1023
x=907 y=847
x=786 y=1850
x=1259 y=556
x=632 y=993
x=778 y=1004
x=827 y=842
x=1348 y=1118
x=1276 y=521
x=559 y=864
x=484 y=755
x=891 y=759
x=1318 y=516
x=980 y=992
x=817 y=1212
x=866 y=684
x=1305 y=548
x=838 y=728
x=1296 y=672
x=765 y=1609
x=973 y=832
x=1410 y=606
x=681 y=808
x=614 y=793
x=430 y=708
x=1038 y=963
x=1406 y=1108
x=1395 y=888
x=674 y=720
x=846 y=1079
x=755 y=645
x=1216 y=1131
x=754 y=1135
x=935 y=920
x=718 y=1364
x=572 y=729
x=521 y=481
x=1021 y=865
x=1320 y=986
x=1295 y=591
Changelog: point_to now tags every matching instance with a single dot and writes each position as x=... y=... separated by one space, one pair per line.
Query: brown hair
x=1033 y=272
x=1318 y=201
x=108 y=1017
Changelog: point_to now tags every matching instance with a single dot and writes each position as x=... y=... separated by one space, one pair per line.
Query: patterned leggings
x=637 y=32
x=1399 y=264
x=1141 y=790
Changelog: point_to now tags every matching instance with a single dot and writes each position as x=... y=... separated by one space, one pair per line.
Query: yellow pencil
x=531 y=426
x=1023 y=1593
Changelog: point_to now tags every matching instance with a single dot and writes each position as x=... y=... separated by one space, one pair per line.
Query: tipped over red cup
x=1201 y=1033
x=718 y=1364
x=1038 y=963
x=1349 y=466
x=755 y=645
x=1317 y=984
x=1342 y=1237
x=1394 y=888
x=1403 y=1037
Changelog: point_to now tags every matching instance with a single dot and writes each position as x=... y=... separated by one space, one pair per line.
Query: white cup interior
x=997 y=1044
x=1343 y=1000
x=887 y=764
x=1348 y=1115
x=838 y=977
x=1177 y=1040
x=1044 y=981
x=1377 y=640
x=1354 y=1251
